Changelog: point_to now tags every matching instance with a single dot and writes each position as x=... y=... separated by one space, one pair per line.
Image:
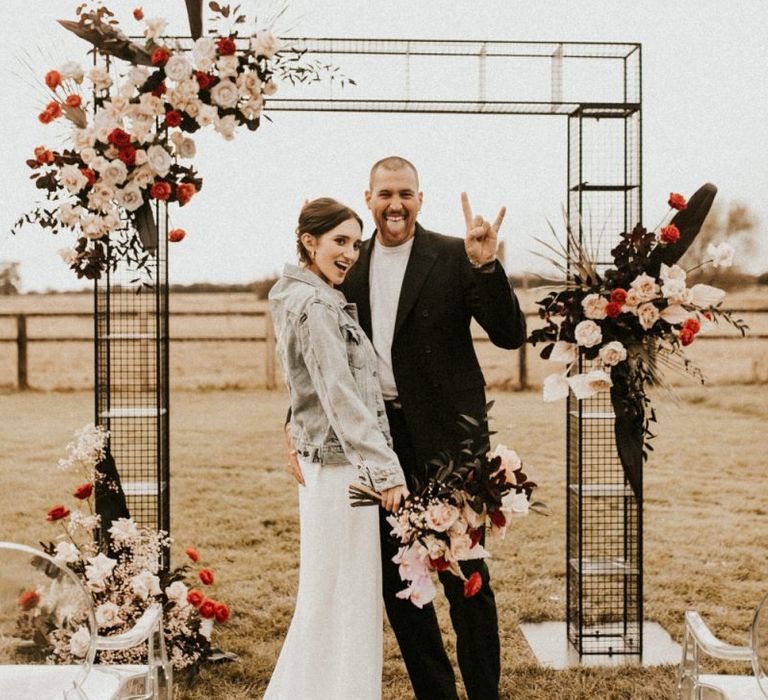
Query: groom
x=416 y=293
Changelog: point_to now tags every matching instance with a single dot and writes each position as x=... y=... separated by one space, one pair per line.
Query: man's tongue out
x=396 y=223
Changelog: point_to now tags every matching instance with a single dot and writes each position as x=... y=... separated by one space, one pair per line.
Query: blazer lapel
x=357 y=288
x=420 y=262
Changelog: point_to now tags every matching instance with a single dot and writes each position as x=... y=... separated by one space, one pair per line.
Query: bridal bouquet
x=443 y=520
x=616 y=327
x=130 y=127
x=123 y=578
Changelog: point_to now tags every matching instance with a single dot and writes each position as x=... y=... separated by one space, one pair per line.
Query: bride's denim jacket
x=337 y=412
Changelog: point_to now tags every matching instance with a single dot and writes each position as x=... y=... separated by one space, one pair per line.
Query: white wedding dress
x=333 y=650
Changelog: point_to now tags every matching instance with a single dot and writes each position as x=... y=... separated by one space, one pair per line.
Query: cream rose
x=722 y=254
x=100 y=78
x=265 y=44
x=441 y=516
x=645 y=287
x=155 y=27
x=207 y=115
x=159 y=160
x=115 y=173
x=72 y=70
x=675 y=272
x=269 y=88
x=108 y=615
x=588 y=334
x=594 y=306
x=225 y=126
x=129 y=197
x=612 y=353
x=178 y=68
x=71 y=178
x=137 y=75
x=647 y=314
x=227 y=66
x=205 y=48
x=225 y=94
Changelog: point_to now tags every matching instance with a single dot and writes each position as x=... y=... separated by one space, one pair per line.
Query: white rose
x=71 y=178
x=594 y=306
x=141 y=156
x=612 y=353
x=269 y=88
x=555 y=387
x=100 y=196
x=178 y=68
x=66 y=552
x=115 y=173
x=227 y=66
x=225 y=94
x=108 y=615
x=647 y=314
x=155 y=27
x=252 y=108
x=672 y=273
x=99 y=163
x=207 y=115
x=177 y=592
x=645 y=287
x=111 y=220
x=705 y=296
x=68 y=214
x=225 y=126
x=265 y=44
x=130 y=196
x=83 y=138
x=204 y=64
x=185 y=146
x=115 y=109
x=100 y=78
x=633 y=299
x=145 y=584
x=138 y=75
x=71 y=70
x=90 y=225
x=436 y=547
x=80 y=642
x=722 y=254
x=87 y=155
x=249 y=83
x=588 y=334
x=159 y=160
x=205 y=47
x=98 y=570
x=440 y=516
x=142 y=177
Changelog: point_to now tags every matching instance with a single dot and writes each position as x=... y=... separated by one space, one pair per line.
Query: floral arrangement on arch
x=444 y=519
x=130 y=134
x=124 y=577
x=616 y=329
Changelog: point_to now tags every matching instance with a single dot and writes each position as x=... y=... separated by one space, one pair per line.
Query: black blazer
x=435 y=366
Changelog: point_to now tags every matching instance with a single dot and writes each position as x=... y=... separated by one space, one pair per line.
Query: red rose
x=138 y=14
x=45 y=117
x=119 y=138
x=53 y=79
x=498 y=518
x=127 y=155
x=612 y=309
x=439 y=564
x=184 y=192
x=619 y=295
x=74 y=101
x=83 y=491
x=692 y=324
x=54 y=109
x=687 y=336
x=204 y=80
x=173 y=118
x=160 y=90
x=89 y=175
x=207 y=608
x=670 y=234
x=191 y=552
x=226 y=46
x=475 y=536
x=195 y=598
x=160 y=56
x=221 y=612
x=677 y=201
x=473 y=585
x=57 y=513
x=43 y=155
x=206 y=576
x=174 y=236
x=160 y=190
x=29 y=600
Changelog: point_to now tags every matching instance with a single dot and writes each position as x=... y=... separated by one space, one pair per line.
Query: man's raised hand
x=481 y=238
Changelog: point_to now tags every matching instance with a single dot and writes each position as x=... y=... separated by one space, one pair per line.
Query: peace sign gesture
x=481 y=237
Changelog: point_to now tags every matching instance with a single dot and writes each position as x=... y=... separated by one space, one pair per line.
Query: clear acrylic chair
x=49 y=639
x=698 y=642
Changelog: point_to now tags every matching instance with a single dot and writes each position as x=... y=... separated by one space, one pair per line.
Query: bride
x=333 y=650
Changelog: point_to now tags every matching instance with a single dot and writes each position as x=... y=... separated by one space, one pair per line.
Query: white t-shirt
x=387 y=271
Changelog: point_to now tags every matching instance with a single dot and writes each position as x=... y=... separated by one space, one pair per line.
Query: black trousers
x=416 y=629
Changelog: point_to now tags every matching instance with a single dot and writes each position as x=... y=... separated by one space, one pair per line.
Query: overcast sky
x=705 y=109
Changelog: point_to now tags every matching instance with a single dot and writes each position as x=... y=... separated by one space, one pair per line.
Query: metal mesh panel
x=131 y=338
x=604 y=517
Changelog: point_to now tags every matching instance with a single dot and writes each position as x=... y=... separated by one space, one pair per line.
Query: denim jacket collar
x=301 y=274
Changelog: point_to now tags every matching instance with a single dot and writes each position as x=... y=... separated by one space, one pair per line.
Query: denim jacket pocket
x=354 y=342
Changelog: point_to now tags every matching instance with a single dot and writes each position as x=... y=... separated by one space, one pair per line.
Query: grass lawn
x=706 y=524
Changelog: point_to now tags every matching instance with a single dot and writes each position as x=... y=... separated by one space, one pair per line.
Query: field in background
x=221 y=365
x=706 y=524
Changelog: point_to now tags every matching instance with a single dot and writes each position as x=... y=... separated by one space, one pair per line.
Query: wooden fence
x=23 y=339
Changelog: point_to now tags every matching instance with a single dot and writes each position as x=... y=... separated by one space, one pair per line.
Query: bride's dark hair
x=318 y=217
